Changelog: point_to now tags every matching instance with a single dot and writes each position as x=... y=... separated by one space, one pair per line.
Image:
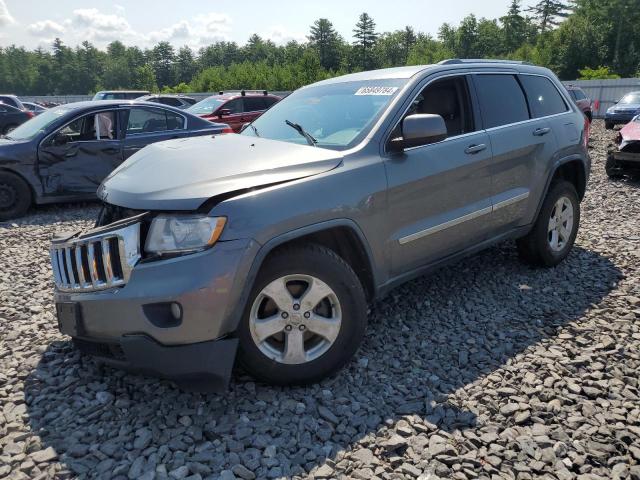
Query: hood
x=626 y=107
x=630 y=133
x=182 y=174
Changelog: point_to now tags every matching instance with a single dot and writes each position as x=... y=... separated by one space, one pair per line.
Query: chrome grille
x=96 y=261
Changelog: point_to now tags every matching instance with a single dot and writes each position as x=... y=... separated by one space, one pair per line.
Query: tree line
x=589 y=38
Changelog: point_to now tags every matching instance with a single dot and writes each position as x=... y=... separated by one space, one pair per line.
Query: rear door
x=439 y=195
x=77 y=157
x=522 y=147
x=146 y=125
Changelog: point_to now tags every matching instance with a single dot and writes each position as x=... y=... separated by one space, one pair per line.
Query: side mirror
x=224 y=111
x=419 y=129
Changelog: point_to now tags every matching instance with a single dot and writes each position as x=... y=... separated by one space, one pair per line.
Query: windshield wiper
x=255 y=130
x=298 y=128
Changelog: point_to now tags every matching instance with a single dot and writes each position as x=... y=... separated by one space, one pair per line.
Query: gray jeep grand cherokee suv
x=269 y=244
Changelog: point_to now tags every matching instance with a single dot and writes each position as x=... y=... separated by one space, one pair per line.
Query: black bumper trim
x=202 y=367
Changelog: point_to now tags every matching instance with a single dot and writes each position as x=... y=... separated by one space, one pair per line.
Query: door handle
x=538 y=132
x=71 y=153
x=473 y=149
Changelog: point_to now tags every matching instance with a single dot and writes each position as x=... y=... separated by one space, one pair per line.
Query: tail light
x=227 y=129
x=587 y=132
x=29 y=113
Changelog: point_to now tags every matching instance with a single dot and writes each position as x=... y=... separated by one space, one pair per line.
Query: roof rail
x=244 y=92
x=458 y=61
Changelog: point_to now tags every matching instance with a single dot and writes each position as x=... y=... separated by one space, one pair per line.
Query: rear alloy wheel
x=305 y=319
x=552 y=236
x=15 y=196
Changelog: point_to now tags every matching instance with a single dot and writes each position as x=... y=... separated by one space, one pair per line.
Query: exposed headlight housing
x=183 y=233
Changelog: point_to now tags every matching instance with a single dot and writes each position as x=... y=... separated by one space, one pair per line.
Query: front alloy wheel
x=295 y=319
x=305 y=318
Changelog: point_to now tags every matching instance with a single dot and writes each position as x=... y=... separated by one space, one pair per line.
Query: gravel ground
x=486 y=369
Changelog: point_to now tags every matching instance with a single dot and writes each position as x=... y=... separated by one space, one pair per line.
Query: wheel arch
x=355 y=250
x=15 y=173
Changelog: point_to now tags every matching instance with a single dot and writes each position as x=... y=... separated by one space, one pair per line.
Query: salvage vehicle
x=64 y=153
x=623 y=110
x=11 y=117
x=179 y=101
x=34 y=107
x=625 y=156
x=269 y=244
x=119 y=94
x=584 y=103
x=234 y=108
x=12 y=100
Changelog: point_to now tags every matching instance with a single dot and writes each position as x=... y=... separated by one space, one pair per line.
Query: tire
x=9 y=128
x=15 y=196
x=538 y=247
x=297 y=268
x=614 y=172
x=589 y=116
x=609 y=125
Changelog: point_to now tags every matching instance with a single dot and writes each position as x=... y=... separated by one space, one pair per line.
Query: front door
x=234 y=114
x=74 y=160
x=439 y=195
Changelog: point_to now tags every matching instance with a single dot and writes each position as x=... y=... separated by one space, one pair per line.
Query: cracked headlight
x=183 y=233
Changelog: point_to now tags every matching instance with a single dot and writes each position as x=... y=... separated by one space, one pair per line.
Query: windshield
x=208 y=105
x=631 y=98
x=36 y=125
x=337 y=115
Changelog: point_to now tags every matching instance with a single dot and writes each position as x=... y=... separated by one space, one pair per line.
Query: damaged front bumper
x=172 y=318
x=626 y=154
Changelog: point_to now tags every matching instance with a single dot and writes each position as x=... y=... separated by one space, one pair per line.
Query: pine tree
x=548 y=13
x=516 y=28
x=365 y=39
x=324 y=38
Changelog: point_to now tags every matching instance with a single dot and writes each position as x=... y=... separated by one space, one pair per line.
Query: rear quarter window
x=544 y=97
x=501 y=99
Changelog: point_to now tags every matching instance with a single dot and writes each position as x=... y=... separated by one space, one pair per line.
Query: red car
x=583 y=102
x=625 y=156
x=234 y=108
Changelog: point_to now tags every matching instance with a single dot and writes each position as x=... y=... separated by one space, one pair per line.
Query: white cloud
x=45 y=29
x=177 y=31
x=281 y=36
x=5 y=16
x=104 y=27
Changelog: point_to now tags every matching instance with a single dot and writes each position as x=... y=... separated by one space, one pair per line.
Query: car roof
x=96 y=104
x=165 y=95
x=123 y=91
x=410 y=71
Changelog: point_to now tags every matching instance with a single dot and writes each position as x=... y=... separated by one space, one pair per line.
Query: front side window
x=501 y=99
x=579 y=95
x=544 y=98
x=234 y=106
x=448 y=98
x=338 y=115
x=96 y=126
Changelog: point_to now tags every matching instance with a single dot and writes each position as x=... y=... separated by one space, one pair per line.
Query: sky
x=195 y=23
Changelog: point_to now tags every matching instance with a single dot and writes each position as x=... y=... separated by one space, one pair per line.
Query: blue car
x=623 y=111
x=64 y=153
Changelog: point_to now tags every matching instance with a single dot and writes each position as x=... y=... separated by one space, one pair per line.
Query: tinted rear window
x=501 y=100
x=252 y=104
x=544 y=98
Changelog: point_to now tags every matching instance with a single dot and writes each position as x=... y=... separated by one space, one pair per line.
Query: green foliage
x=600 y=73
x=590 y=38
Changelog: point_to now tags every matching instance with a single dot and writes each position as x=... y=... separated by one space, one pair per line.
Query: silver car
x=270 y=244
